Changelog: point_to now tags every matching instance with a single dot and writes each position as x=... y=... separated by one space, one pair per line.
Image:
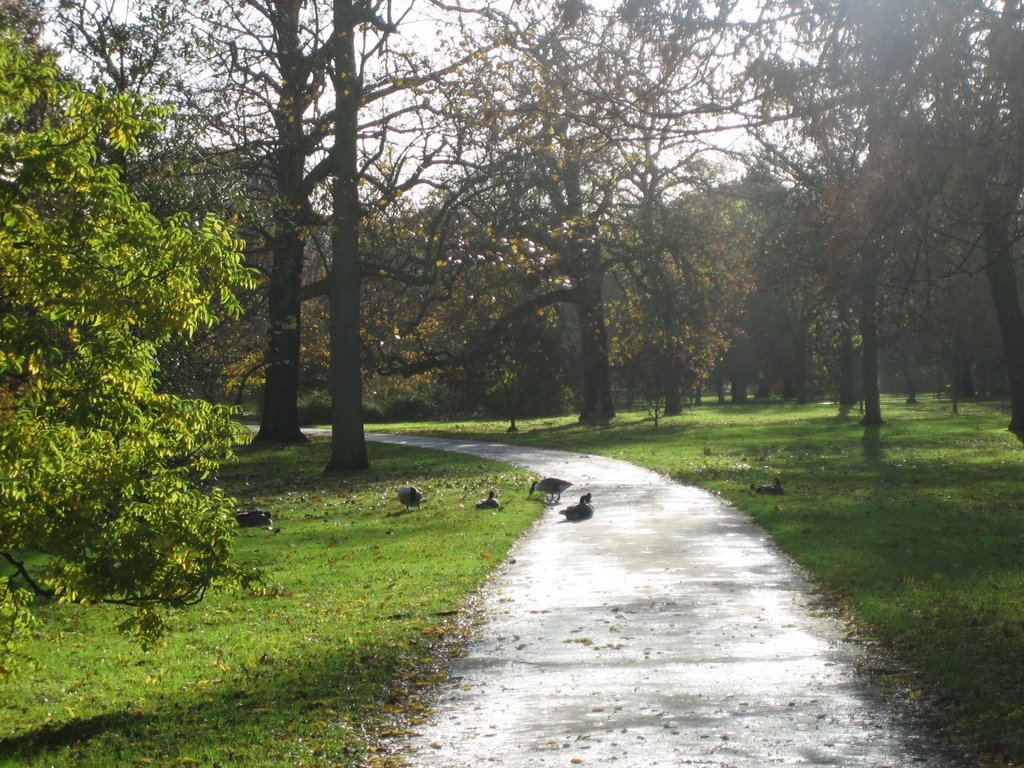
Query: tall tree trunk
x=963 y=382
x=908 y=378
x=869 y=335
x=673 y=398
x=597 y=389
x=672 y=377
x=1002 y=280
x=872 y=394
x=348 y=441
x=847 y=361
x=280 y=418
x=739 y=388
x=788 y=386
x=1005 y=182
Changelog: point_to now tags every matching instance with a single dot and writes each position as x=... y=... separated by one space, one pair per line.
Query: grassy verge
x=915 y=527
x=358 y=594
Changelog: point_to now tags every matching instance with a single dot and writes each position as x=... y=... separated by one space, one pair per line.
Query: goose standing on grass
x=489 y=503
x=410 y=496
x=551 y=487
x=582 y=511
x=774 y=489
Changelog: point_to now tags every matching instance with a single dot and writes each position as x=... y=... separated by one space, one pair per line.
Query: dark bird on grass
x=775 y=488
x=582 y=511
x=410 y=496
x=254 y=518
x=551 y=487
x=489 y=503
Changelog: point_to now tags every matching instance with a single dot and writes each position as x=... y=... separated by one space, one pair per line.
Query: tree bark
x=868 y=322
x=847 y=364
x=597 y=406
x=1002 y=197
x=280 y=418
x=872 y=394
x=963 y=381
x=739 y=384
x=673 y=398
x=348 y=441
x=1002 y=279
x=908 y=379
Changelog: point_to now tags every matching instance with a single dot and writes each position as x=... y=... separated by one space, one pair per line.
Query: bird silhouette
x=410 y=496
x=489 y=503
x=551 y=487
x=774 y=489
x=255 y=518
x=582 y=511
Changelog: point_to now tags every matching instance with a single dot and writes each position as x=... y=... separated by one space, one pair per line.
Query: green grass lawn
x=358 y=592
x=915 y=528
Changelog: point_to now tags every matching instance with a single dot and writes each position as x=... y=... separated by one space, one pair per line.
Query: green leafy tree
x=160 y=52
x=105 y=494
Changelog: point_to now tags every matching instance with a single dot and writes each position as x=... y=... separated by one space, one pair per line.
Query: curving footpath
x=665 y=631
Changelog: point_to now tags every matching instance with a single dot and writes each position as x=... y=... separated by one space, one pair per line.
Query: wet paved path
x=665 y=631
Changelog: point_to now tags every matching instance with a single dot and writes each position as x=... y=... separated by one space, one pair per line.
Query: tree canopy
x=105 y=494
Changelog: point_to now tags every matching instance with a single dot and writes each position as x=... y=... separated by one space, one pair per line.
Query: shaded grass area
x=358 y=594
x=916 y=528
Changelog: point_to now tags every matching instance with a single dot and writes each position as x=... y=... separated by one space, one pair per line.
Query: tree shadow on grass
x=272 y=710
x=871 y=442
x=56 y=736
x=311 y=703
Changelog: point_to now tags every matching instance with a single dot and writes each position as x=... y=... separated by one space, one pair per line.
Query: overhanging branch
x=22 y=570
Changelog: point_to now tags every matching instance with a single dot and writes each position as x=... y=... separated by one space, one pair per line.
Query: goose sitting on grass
x=254 y=518
x=551 y=487
x=582 y=511
x=489 y=503
x=410 y=496
x=774 y=489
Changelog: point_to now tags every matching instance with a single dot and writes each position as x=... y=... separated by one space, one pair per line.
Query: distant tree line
x=563 y=206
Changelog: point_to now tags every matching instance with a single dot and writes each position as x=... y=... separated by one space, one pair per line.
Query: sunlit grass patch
x=357 y=592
